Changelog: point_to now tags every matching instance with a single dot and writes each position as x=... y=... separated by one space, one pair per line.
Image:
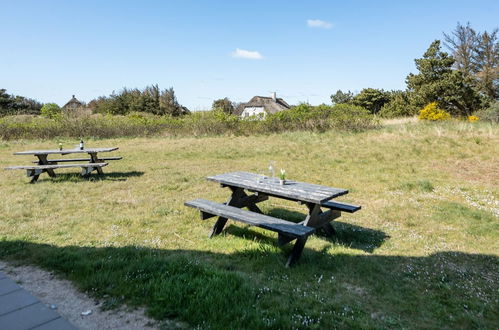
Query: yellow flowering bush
x=472 y=119
x=432 y=112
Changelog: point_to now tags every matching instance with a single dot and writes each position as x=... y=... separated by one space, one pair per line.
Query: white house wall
x=253 y=111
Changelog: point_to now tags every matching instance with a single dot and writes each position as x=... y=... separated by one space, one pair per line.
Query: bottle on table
x=272 y=170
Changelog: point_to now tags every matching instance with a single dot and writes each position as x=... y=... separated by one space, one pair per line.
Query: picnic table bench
x=45 y=165
x=315 y=197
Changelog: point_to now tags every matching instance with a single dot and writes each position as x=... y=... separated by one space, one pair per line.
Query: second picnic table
x=314 y=196
x=43 y=164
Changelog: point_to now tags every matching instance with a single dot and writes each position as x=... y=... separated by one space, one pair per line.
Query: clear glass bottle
x=272 y=170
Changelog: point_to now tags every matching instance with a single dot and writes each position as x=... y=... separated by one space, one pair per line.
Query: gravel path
x=74 y=305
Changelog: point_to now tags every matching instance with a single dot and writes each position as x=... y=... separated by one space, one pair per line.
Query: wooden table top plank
x=65 y=151
x=294 y=190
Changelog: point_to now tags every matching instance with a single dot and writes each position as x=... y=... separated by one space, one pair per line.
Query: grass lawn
x=422 y=252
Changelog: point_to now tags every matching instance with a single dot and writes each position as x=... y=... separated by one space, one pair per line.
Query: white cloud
x=317 y=23
x=241 y=53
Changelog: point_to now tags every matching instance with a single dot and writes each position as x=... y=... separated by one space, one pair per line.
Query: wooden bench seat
x=78 y=160
x=252 y=218
x=344 y=207
x=46 y=167
x=288 y=229
x=35 y=170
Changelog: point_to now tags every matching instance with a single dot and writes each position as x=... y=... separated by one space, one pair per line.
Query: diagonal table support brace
x=316 y=219
x=239 y=199
x=42 y=160
x=95 y=159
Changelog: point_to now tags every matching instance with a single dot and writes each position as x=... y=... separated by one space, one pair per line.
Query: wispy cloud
x=242 y=53
x=317 y=23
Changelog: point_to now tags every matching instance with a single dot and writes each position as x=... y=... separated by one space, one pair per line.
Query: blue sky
x=303 y=50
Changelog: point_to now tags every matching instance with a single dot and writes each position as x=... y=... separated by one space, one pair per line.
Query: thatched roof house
x=261 y=105
x=73 y=104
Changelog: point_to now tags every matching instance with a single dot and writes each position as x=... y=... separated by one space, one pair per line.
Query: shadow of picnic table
x=107 y=176
x=348 y=235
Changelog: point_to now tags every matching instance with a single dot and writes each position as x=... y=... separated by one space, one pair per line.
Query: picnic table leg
x=34 y=174
x=221 y=221
x=95 y=159
x=329 y=229
x=314 y=220
x=296 y=252
x=42 y=160
x=239 y=199
x=313 y=212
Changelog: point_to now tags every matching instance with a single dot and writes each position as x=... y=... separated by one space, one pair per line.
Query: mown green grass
x=422 y=252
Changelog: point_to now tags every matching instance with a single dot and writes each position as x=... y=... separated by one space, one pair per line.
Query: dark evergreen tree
x=399 y=106
x=15 y=105
x=371 y=99
x=437 y=82
x=223 y=104
x=340 y=97
x=169 y=105
x=150 y=100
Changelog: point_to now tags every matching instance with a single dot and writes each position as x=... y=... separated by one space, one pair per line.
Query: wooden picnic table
x=48 y=165
x=249 y=189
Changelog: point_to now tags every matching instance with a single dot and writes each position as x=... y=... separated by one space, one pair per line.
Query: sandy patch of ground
x=485 y=172
x=398 y=121
x=71 y=303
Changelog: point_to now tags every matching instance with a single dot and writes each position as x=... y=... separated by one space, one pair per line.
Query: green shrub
x=321 y=118
x=490 y=114
x=371 y=99
x=51 y=110
x=225 y=105
x=301 y=117
x=352 y=118
x=399 y=106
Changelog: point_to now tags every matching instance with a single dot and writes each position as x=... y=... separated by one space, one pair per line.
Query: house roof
x=268 y=103
x=73 y=103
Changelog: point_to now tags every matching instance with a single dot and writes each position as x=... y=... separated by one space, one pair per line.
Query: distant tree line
x=16 y=105
x=461 y=83
x=150 y=99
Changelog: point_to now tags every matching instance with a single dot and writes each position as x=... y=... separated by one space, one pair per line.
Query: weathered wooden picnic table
x=43 y=164
x=315 y=197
